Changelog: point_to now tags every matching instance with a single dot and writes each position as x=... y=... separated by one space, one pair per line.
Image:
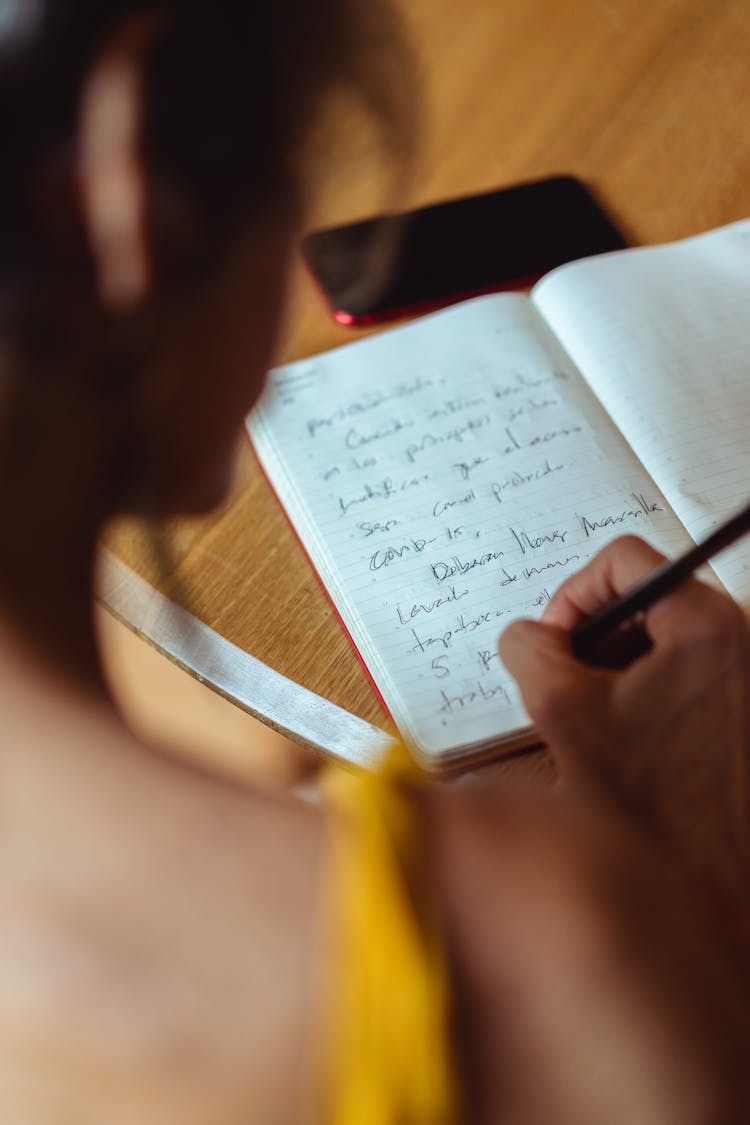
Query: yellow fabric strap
x=388 y=1043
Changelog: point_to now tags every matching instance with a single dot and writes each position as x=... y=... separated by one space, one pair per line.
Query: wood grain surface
x=649 y=103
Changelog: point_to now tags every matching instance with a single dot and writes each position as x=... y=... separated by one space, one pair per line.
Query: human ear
x=111 y=172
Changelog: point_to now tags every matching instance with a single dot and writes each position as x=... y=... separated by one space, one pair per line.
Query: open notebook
x=445 y=476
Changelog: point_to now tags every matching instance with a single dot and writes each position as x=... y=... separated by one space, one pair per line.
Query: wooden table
x=649 y=103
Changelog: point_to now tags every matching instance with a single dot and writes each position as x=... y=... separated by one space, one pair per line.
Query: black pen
x=657 y=584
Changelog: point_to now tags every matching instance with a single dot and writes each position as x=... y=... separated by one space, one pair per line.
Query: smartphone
x=446 y=252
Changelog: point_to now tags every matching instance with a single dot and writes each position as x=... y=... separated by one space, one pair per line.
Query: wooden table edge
x=264 y=693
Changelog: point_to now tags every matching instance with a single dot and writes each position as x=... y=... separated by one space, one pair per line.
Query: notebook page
x=444 y=477
x=662 y=335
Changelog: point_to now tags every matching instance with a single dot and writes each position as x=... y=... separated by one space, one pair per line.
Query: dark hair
x=230 y=87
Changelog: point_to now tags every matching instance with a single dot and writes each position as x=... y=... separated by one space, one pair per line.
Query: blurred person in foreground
x=173 y=947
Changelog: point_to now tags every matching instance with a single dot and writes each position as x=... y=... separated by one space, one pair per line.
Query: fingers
x=693 y=614
x=559 y=693
x=661 y=733
x=697 y=618
x=618 y=566
x=695 y=625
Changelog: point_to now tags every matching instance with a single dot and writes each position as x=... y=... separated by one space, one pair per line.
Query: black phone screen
x=477 y=244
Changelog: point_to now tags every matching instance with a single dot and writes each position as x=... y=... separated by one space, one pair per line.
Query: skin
x=123 y=945
x=156 y=950
x=666 y=737
x=160 y=949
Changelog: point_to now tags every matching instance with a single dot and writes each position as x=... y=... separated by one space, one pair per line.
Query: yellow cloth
x=388 y=1041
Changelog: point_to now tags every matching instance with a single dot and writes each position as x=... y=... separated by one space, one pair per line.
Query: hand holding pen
x=667 y=735
x=628 y=606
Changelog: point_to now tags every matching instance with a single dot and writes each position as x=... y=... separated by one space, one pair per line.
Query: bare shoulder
x=158 y=944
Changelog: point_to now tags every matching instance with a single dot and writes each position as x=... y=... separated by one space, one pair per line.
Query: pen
x=657 y=584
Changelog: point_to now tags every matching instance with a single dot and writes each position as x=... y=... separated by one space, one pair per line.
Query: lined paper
x=444 y=478
x=662 y=335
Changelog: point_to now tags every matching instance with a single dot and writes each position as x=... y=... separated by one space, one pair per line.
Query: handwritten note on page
x=662 y=335
x=444 y=478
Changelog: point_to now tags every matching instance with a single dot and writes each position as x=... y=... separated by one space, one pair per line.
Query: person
x=647 y=733
x=176 y=948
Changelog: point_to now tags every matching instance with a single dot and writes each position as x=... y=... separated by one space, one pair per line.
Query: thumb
x=558 y=691
x=529 y=649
